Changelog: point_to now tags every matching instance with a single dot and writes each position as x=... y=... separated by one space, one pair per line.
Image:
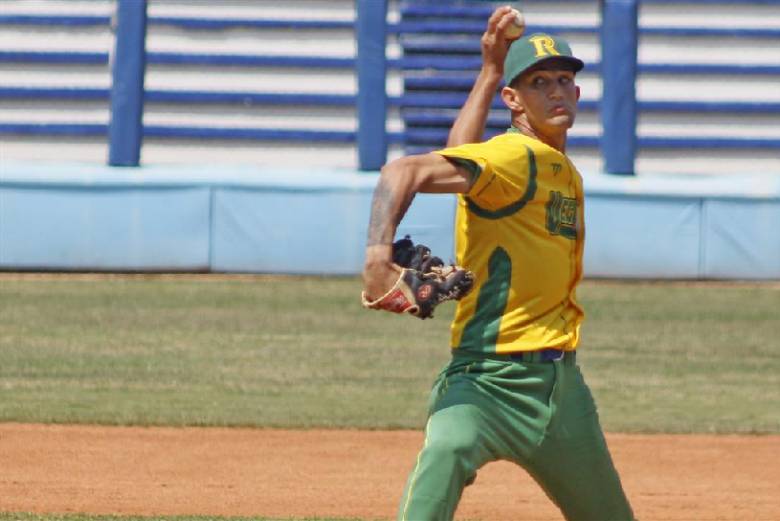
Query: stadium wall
x=89 y=217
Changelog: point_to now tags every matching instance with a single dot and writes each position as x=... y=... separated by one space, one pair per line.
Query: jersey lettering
x=545 y=46
x=562 y=215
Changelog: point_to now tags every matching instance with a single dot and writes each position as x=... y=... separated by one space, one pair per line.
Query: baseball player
x=512 y=390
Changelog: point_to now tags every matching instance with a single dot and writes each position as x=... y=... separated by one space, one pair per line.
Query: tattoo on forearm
x=386 y=213
x=381 y=204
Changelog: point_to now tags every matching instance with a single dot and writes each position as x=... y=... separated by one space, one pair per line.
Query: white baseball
x=517 y=27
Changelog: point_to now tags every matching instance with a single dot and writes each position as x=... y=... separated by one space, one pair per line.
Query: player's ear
x=512 y=99
x=578 y=92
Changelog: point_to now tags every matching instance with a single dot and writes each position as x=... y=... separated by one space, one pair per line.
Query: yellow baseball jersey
x=520 y=230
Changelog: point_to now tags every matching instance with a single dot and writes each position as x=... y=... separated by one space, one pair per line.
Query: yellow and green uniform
x=520 y=230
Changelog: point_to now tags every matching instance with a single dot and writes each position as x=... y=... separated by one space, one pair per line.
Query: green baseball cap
x=538 y=47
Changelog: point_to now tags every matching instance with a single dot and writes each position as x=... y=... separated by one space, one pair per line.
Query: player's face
x=549 y=98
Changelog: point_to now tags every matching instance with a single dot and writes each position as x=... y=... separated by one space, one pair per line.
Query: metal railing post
x=619 y=41
x=371 y=69
x=128 y=60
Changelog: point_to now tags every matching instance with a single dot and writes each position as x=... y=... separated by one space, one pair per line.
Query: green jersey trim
x=518 y=205
x=470 y=165
x=481 y=332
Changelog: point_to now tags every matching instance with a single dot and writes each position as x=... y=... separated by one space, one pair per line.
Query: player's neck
x=556 y=141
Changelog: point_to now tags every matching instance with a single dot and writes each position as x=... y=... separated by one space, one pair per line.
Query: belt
x=541 y=355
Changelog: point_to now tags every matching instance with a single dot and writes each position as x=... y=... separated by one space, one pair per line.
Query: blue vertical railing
x=371 y=69
x=619 y=37
x=128 y=62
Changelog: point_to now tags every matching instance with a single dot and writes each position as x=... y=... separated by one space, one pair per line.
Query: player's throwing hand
x=504 y=26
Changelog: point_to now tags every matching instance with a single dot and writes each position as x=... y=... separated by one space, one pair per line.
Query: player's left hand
x=423 y=283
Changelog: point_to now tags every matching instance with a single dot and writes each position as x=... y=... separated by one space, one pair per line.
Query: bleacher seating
x=683 y=103
x=263 y=83
x=229 y=82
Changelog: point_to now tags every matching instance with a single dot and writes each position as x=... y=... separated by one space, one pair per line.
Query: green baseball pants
x=540 y=415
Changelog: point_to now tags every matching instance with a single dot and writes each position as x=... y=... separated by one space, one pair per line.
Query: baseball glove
x=424 y=283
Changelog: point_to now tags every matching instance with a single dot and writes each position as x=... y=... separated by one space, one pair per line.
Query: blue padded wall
x=246 y=219
x=640 y=236
x=278 y=231
x=101 y=228
x=429 y=220
x=742 y=238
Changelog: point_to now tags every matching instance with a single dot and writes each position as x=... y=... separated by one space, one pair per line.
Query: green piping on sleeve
x=481 y=331
x=516 y=206
x=472 y=166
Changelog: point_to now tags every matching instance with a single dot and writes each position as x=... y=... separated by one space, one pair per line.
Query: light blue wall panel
x=312 y=232
x=85 y=228
x=742 y=239
x=159 y=218
x=431 y=221
x=289 y=232
x=644 y=237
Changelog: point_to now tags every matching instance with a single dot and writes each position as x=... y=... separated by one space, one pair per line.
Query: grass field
x=300 y=352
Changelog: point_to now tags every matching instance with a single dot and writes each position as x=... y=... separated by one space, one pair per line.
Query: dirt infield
x=278 y=473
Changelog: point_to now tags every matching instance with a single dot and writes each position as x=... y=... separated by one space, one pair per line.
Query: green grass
x=300 y=352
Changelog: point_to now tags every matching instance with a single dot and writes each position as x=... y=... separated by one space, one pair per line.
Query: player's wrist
x=379 y=255
x=378 y=267
x=378 y=277
x=490 y=74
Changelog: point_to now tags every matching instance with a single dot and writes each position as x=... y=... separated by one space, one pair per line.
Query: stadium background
x=125 y=394
x=250 y=161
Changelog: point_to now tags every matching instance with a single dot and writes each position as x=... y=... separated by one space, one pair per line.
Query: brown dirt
x=330 y=473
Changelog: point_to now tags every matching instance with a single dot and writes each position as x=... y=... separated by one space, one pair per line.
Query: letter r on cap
x=544 y=46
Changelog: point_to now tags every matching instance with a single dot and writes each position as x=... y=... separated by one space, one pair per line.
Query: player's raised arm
x=503 y=28
x=399 y=182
